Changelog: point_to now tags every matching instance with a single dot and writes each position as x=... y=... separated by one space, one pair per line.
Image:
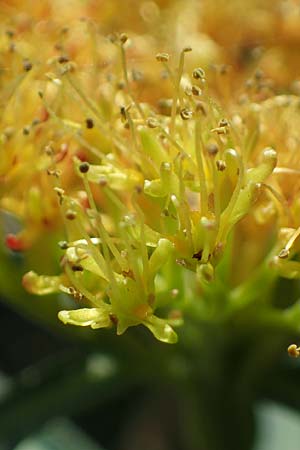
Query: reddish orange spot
x=81 y=154
x=142 y=311
x=14 y=243
x=44 y=115
x=62 y=153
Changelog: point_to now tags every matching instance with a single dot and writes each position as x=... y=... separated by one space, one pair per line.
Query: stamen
x=125 y=73
x=201 y=174
x=285 y=251
x=177 y=95
x=106 y=240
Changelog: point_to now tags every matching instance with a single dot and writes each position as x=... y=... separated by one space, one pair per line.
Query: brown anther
x=128 y=274
x=212 y=149
x=60 y=192
x=123 y=38
x=35 y=122
x=49 y=150
x=188 y=91
x=63 y=59
x=27 y=65
x=10 y=33
x=223 y=123
x=84 y=167
x=201 y=107
x=77 y=268
x=186 y=114
x=249 y=83
x=8 y=132
x=187 y=49
x=162 y=57
x=221 y=165
x=223 y=69
x=165 y=106
x=75 y=294
x=196 y=90
x=188 y=176
x=164 y=75
x=284 y=253
x=198 y=255
x=199 y=74
x=181 y=262
x=113 y=319
x=103 y=181
x=68 y=67
x=70 y=214
x=26 y=130
x=121 y=85
x=63 y=245
x=152 y=122
x=137 y=75
x=89 y=123
x=151 y=299
x=293 y=351
x=258 y=74
x=54 y=172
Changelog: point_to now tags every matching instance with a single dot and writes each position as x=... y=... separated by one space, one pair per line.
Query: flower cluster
x=173 y=189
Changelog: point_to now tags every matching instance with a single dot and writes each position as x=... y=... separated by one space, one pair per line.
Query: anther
x=10 y=33
x=223 y=123
x=60 y=192
x=27 y=65
x=54 y=172
x=186 y=114
x=187 y=49
x=201 y=107
x=162 y=57
x=113 y=319
x=102 y=181
x=123 y=38
x=284 y=253
x=77 y=268
x=152 y=122
x=137 y=75
x=63 y=245
x=221 y=165
x=89 y=123
x=199 y=74
x=70 y=214
x=151 y=299
x=63 y=59
x=196 y=91
x=35 y=122
x=84 y=167
x=212 y=149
